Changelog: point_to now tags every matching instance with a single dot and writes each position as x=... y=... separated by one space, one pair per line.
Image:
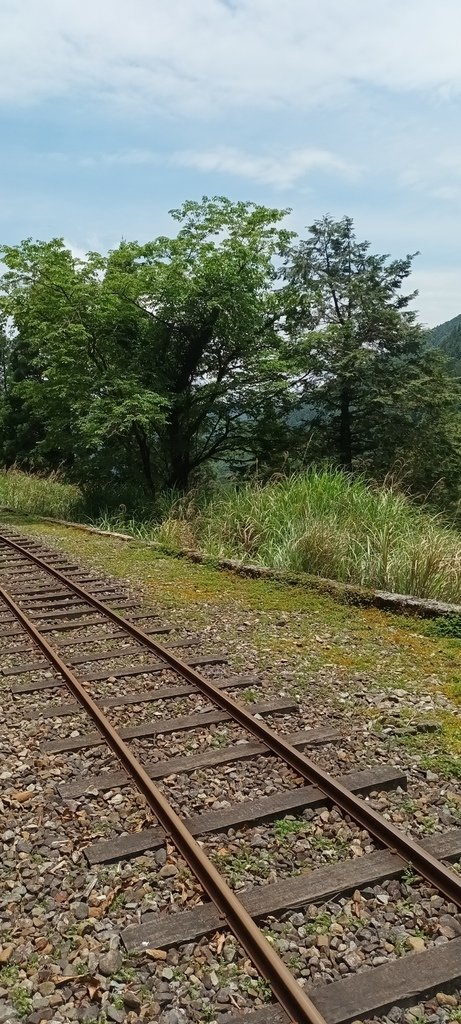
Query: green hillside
x=447 y=338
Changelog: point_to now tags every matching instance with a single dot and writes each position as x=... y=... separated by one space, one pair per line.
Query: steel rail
x=434 y=871
x=290 y=995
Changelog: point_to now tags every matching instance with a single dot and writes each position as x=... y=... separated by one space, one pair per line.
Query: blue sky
x=113 y=113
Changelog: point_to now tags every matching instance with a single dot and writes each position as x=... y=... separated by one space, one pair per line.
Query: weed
x=449 y=625
x=256 y=986
x=250 y=695
x=454 y=807
x=9 y=975
x=320 y=924
x=334 y=849
x=236 y=865
x=21 y=1000
x=42 y=495
x=399 y=944
x=295 y=963
x=444 y=764
x=208 y=1014
x=289 y=826
x=118 y=901
x=79 y=967
x=125 y=974
x=219 y=739
x=429 y=823
x=409 y=876
x=322 y=522
x=409 y=806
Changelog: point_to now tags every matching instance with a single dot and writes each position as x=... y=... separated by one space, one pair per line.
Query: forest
x=227 y=348
x=236 y=388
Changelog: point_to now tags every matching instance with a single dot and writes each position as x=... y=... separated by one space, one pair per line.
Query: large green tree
x=156 y=358
x=377 y=395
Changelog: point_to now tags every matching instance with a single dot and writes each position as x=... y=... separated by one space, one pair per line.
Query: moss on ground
x=322 y=642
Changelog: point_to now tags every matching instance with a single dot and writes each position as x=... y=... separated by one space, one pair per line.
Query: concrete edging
x=346 y=593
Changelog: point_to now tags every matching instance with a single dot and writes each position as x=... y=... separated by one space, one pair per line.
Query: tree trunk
x=178 y=448
x=345 y=430
x=145 y=455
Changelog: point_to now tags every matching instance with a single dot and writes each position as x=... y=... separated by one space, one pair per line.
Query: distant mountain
x=447 y=338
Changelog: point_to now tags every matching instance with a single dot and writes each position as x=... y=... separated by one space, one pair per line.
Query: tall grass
x=322 y=522
x=42 y=495
x=329 y=524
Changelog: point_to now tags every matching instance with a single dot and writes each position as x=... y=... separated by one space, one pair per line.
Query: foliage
x=150 y=362
x=324 y=522
x=379 y=396
x=229 y=346
x=449 y=626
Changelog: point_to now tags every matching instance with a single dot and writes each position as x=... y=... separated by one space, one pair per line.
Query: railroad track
x=49 y=607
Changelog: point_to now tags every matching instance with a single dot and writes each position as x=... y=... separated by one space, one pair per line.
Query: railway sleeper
x=143 y=697
x=266 y=808
x=183 y=764
x=402 y=982
x=164 y=725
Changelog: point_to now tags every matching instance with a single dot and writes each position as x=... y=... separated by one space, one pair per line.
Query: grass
x=39 y=495
x=322 y=522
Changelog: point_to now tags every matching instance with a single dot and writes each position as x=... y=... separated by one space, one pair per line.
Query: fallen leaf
x=93 y=987
x=156 y=954
x=96 y=912
x=21 y=795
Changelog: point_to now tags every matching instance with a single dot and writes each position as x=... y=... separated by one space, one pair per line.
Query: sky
x=113 y=113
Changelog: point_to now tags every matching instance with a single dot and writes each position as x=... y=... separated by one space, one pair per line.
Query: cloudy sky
x=112 y=113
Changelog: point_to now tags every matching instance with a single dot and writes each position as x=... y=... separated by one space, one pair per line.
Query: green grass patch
x=40 y=495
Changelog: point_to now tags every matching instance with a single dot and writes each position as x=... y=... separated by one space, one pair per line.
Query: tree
x=210 y=314
x=166 y=354
x=375 y=389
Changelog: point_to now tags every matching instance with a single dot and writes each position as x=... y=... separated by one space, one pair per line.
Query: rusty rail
x=436 y=873
x=298 y=1006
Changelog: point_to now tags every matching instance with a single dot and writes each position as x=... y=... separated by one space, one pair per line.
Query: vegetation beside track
x=349 y=660
x=323 y=522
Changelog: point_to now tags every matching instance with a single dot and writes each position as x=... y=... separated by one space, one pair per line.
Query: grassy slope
x=325 y=650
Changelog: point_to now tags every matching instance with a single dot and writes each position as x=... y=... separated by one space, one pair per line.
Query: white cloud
x=282 y=171
x=77 y=252
x=200 y=54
